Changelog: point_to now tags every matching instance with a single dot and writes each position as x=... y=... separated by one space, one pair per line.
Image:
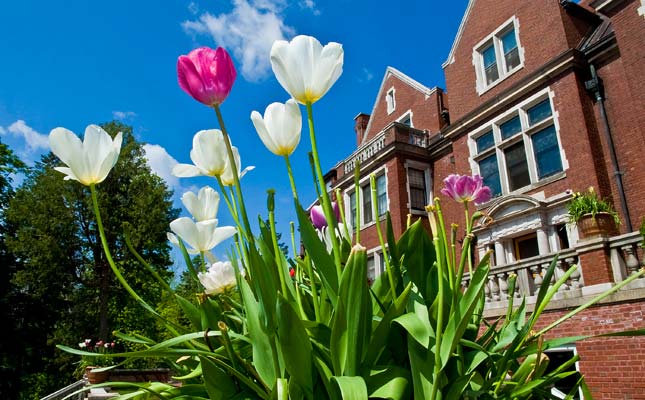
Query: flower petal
x=186 y=171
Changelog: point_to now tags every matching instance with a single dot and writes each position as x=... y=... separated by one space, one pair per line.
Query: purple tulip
x=464 y=188
x=317 y=215
x=206 y=74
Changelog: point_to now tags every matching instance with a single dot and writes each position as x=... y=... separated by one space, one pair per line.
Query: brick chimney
x=360 y=126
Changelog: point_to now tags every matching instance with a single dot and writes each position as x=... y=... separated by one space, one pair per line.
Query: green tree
x=65 y=284
x=9 y=368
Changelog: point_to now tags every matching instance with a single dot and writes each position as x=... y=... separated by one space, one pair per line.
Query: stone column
x=500 y=256
x=543 y=240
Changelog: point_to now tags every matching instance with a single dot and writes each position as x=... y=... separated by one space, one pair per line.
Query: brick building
x=546 y=98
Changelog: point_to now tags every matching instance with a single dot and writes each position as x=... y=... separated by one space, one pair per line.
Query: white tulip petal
x=222 y=233
x=186 y=171
x=202 y=206
x=65 y=145
x=68 y=172
x=305 y=68
x=90 y=161
x=263 y=133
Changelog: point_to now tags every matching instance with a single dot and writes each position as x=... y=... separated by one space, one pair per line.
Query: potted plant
x=93 y=366
x=593 y=215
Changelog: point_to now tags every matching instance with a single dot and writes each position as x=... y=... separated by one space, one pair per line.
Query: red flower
x=206 y=74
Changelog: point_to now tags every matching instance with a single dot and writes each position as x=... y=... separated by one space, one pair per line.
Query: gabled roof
x=403 y=78
x=460 y=31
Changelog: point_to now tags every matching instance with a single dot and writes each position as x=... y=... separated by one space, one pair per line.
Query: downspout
x=595 y=87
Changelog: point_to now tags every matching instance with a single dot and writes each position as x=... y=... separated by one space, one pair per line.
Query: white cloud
x=193 y=8
x=248 y=31
x=123 y=115
x=310 y=5
x=34 y=140
x=161 y=163
x=366 y=76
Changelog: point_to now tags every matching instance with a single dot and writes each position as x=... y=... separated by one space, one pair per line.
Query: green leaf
x=218 y=384
x=352 y=321
x=266 y=288
x=295 y=346
x=324 y=263
x=460 y=319
x=417 y=328
x=389 y=382
x=351 y=387
x=262 y=354
x=418 y=254
x=382 y=331
x=191 y=311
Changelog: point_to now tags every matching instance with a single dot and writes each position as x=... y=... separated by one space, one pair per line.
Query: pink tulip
x=464 y=188
x=206 y=74
x=317 y=215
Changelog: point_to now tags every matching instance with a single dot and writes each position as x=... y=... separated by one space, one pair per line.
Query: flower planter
x=94 y=377
x=602 y=224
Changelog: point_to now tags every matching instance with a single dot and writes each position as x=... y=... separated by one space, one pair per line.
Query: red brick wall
x=541 y=34
x=426 y=111
x=625 y=105
x=613 y=367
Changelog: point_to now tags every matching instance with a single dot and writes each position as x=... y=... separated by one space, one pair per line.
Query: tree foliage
x=63 y=290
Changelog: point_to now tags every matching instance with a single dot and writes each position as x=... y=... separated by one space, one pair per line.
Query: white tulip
x=227 y=176
x=201 y=235
x=306 y=69
x=90 y=161
x=210 y=257
x=203 y=205
x=280 y=128
x=219 y=278
x=208 y=155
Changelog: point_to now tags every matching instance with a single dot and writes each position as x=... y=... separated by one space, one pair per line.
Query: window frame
x=390 y=105
x=364 y=184
x=425 y=168
x=525 y=135
x=495 y=40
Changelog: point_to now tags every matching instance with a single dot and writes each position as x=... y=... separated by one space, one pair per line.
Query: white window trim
x=404 y=116
x=365 y=181
x=390 y=92
x=574 y=350
x=377 y=253
x=525 y=135
x=641 y=9
x=480 y=84
x=428 y=180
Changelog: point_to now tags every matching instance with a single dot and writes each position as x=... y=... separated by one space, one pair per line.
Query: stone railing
x=530 y=277
x=364 y=153
x=623 y=251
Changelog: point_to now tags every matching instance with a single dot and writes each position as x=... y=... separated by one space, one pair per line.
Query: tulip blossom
x=210 y=257
x=227 y=176
x=318 y=216
x=201 y=235
x=90 y=161
x=280 y=128
x=203 y=205
x=219 y=277
x=208 y=155
x=464 y=188
x=206 y=74
x=306 y=69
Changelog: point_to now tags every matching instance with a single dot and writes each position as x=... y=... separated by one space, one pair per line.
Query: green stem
x=446 y=251
x=469 y=228
x=277 y=252
x=290 y=173
x=154 y=273
x=236 y=178
x=341 y=208
x=326 y=202
x=380 y=237
x=115 y=270
x=314 y=289
x=439 y=248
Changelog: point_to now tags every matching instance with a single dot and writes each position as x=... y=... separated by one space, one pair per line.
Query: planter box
x=602 y=224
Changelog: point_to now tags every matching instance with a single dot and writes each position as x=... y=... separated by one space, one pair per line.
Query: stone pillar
x=500 y=256
x=543 y=240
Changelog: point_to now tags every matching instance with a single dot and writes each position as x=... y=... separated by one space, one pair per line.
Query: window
x=367 y=214
x=526 y=246
x=497 y=56
x=418 y=192
x=558 y=357
x=390 y=101
x=520 y=148
x=563 y=237
x=371 y=269
x=406 y=119
x=367 y=204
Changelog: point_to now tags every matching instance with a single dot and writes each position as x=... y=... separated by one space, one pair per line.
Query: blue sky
x=76 y=62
